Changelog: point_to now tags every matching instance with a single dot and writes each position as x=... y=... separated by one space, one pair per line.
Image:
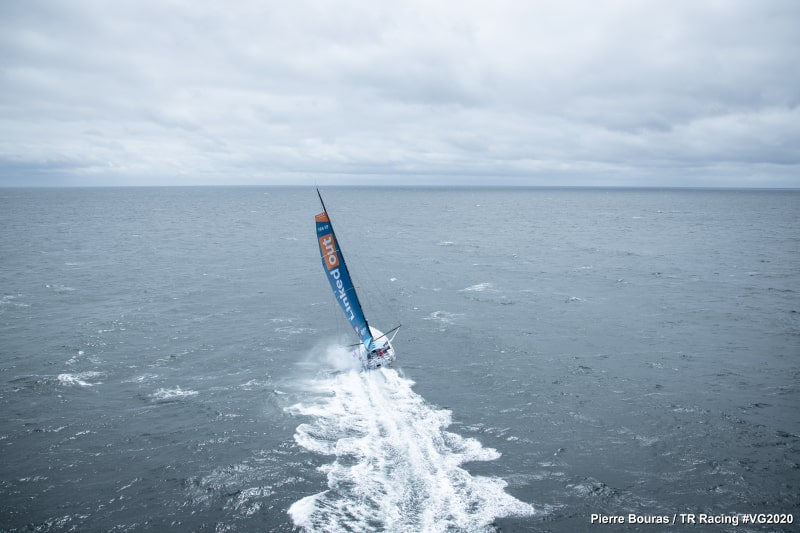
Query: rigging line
x=390 y=331
x=370 y=286
x=384 y=291
x=382 y=336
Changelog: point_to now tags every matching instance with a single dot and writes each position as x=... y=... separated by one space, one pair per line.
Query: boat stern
x=382 y=352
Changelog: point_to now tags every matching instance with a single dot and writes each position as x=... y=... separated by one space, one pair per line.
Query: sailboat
x=375 y=348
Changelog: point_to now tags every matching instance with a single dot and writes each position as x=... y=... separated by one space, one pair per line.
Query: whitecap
x=78 y=378
x=60 y=288
x=293 y=330
x=172 y=394
x=255 y=384
x=444 y=318
x=480 y=287
x=9 y=299
x=140 y=379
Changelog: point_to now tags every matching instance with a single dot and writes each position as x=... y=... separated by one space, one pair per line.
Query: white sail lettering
x=330 y=250
x=343 y=295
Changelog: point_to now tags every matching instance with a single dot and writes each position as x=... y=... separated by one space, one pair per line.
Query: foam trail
x=396 y=468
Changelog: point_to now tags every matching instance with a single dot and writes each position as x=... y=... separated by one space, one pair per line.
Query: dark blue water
x=170 y=358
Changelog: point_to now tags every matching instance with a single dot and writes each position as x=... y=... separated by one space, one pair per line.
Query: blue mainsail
x=339 y=278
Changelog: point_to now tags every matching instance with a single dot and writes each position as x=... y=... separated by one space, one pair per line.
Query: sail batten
x=339 y=277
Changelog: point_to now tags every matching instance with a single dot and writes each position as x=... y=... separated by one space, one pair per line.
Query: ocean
x=174 y=359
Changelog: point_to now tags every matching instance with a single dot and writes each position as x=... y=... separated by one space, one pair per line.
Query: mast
x=323 y=203
x=341 y=282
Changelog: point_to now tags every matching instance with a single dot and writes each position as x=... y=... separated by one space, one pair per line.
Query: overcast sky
x=174 y=92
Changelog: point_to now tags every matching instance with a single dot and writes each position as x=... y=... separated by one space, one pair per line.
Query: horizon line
x=407 y=186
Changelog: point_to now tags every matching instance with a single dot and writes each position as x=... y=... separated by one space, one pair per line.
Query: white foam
x=395 y=466
x=254 y=384
x=78 y=378
x=172 y=394
x=443 y=318
x=60 y=288
x=480 y=287
x=9 y=300
x=140 y=379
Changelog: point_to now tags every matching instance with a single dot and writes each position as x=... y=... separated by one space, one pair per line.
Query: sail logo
x=329 y=254
x=342 y=295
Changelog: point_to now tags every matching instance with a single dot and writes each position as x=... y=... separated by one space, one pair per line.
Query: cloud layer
x=561 y=93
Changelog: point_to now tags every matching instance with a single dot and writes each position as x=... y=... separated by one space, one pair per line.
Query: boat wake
x=396 y=468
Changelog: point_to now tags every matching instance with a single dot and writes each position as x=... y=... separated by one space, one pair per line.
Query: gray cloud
x=604 y=93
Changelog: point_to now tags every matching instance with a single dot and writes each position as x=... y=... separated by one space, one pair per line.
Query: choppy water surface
x=168 y=359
